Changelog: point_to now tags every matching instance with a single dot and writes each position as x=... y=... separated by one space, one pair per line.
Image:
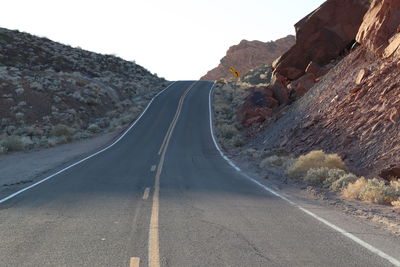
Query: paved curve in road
x=164 y=196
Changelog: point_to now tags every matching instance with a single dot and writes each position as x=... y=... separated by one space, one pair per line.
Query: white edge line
x=364 y=244
x=88 y=157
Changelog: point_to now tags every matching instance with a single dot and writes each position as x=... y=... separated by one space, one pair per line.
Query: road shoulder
x=21 y=169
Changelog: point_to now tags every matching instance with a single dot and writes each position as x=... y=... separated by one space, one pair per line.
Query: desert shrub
x=227 y=131
x=272 y=161
x=372 y=190
x=343 y=181
x=375 y=191
x=27 y=142
x=94 y=128
x=333 y=161
x=237 y=141
x=61 y=130
x=81 y=135
x=315 y=159
x=29 y=130
x=281 y=161
x=316 y=175
x=353 y=190
x=58 y=140
x=12 y=143
x=333 y=176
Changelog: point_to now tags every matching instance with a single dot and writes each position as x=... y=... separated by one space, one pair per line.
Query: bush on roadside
x=316 y=176
x=94 y=128
x=61 y=130
x=343 y=181
x=373 y=191
x=237 y=141
x=227 y=131
x=272 y=161
x=333 y=175
x=12 y=143
x=315 y=159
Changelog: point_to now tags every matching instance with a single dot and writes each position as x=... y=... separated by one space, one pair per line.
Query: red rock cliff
x=248 y=55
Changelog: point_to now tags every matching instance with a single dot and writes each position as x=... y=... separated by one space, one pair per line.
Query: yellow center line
x=146 y=193
x=178 y=111
x=134 y=262
x=154 y=246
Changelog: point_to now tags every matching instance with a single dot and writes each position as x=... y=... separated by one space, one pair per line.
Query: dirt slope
x=51 y=93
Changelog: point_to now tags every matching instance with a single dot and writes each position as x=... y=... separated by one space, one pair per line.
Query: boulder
x=322 y=36
x=303 y=84
x=258 y=105
x=361 y=75
x=394 y=47
x=279 y=88
x=380 y=23
x=313 y=68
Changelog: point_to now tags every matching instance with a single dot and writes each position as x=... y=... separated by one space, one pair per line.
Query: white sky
x=177 y=39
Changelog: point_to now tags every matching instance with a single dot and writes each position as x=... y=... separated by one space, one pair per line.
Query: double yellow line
x=154 y=245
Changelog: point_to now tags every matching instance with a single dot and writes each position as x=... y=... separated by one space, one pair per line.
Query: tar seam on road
x=88 y=157
x=154 y=244
x=364 y=244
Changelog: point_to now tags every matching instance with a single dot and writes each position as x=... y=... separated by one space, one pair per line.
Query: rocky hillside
x=51 y=93
x=337 y=89
x=248 y=55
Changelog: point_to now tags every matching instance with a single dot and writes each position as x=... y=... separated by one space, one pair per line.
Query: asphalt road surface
x=164 y=196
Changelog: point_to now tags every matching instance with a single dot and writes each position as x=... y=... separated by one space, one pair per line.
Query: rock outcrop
x=380 y=24
x=380 y=29
x=248 y=55
x=322 y=37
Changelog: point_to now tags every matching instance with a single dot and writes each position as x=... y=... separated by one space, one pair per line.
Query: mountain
x=248 y=55
x=51 y=93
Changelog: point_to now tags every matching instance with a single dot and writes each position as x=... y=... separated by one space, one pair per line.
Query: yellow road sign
x=234 y=71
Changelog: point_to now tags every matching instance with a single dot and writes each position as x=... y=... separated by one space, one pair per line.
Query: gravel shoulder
x=20 y=169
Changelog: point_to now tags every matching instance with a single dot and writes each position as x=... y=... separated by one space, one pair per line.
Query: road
x=164 y=196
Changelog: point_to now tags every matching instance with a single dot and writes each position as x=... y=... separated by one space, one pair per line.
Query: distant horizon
x=173 y=40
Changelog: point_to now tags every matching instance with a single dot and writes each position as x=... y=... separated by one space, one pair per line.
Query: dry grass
x=396 y=203
x=313 y=160
x=373 y=191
